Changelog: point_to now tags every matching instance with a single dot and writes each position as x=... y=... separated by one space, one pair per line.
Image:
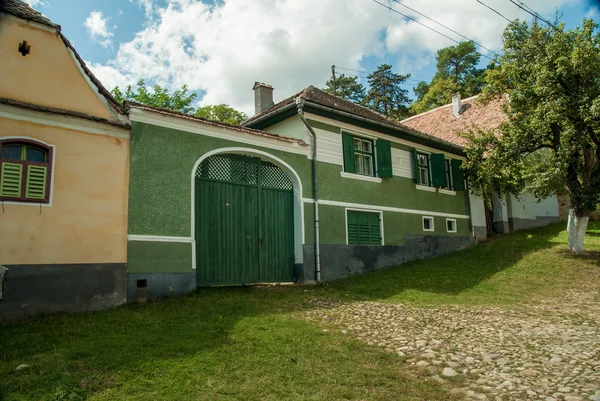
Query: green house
x=215 y=204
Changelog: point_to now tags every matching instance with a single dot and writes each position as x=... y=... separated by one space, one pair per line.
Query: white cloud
x=222 y=48
x=110 y=76
x=33 y=3
x=120 y=12
x=594 y=13
x=97 y=26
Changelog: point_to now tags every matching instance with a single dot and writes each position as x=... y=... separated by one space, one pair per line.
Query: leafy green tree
x=456 y=72
x=180 y=100
x=552 y=136
x=385 y=94
x=421 y=90
x=346 y=87
x=222 y=113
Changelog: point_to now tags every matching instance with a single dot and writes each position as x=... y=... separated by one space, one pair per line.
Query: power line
x=497 y=12
x=422 y=24
x=444 y=26
x=537 y=15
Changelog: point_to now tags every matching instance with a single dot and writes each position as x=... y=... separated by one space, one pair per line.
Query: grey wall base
x=41 y=289
x=516 y=224
x=161 y=285
x=338 y=261
x=480 y=234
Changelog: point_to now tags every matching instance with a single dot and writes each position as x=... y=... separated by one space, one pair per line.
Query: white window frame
x=454 y=224
x=432 y=225
x=367 y=211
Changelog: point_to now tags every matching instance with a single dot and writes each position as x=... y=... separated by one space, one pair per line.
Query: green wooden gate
x=244 y=222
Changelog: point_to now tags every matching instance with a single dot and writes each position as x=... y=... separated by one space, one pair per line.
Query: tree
x=346 y=87
x=222 y=113
x=385 y=94
x=456 y=72
x=180 y=101
x=160 y=97
x=421 y=90
x=552 y=136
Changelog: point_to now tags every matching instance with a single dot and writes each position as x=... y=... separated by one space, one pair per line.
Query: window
x=449 y=182
x=428 y=223
x=25 y=168
x=367 y=157
x=451 y=225
x=363 y=228
x=423 y=169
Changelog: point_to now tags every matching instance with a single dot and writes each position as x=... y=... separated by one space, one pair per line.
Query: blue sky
x=220 y=50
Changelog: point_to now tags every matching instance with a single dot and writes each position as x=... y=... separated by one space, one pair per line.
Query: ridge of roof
x=326 y=99
x=22 y=10
x=438 y=108
x=62 y=112
x=128 y=105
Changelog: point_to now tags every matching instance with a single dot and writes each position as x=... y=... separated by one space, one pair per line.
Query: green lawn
x=244 y=343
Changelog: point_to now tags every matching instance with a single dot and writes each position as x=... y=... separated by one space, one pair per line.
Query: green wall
x=159 y=257
x=162 y=160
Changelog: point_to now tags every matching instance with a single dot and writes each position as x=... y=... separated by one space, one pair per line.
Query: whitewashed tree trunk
x=576 y=227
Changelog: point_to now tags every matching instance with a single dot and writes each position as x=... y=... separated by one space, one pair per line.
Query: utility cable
x=497 y=12
x=444 y=26
x=426 y=26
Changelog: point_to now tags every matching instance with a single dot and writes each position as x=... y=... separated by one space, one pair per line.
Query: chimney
x=456 y=105
x=263 y=97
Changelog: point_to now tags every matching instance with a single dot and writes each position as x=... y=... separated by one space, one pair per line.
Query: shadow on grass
x=588 y=256
x=450 y=274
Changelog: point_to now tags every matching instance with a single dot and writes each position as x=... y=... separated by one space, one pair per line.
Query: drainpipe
x=300 y=106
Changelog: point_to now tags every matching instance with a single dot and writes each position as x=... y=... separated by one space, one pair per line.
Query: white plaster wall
x=477 y=210
x=290 y=128
x=527 y=207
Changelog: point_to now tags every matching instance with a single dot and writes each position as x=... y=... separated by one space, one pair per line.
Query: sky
x=219 y=48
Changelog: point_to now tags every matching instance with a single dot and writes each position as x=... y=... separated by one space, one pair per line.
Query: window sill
x=447 y=191
x=424 y=188
x=451 y=232
x=429 y=230
x=360 y=177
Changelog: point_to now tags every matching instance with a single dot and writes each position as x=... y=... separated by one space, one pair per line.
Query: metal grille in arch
x=243 y=170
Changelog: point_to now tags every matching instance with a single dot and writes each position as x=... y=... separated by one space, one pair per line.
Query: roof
x=21 y=10
x=326 y=99
x=442 y=124
x=245 y=130
x=62 y=112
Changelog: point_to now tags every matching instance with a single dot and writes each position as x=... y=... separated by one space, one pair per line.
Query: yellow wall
x=48 y=76
x=87 y=222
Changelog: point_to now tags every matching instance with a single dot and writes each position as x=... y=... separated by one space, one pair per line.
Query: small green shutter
x=348 y=144
x=458 y=176
x=364 y=228
x=36 y=182
x=10 y=180
x=438 y=170
x=384 y=159
x=416 y=166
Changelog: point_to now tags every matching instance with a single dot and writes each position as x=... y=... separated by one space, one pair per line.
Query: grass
x=244 y=343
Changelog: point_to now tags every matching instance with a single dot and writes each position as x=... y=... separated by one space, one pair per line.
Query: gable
x=49 y=75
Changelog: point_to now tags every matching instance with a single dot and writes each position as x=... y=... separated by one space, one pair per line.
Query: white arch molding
x=291 y=173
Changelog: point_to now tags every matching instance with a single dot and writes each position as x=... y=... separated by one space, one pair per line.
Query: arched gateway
x=244 y=221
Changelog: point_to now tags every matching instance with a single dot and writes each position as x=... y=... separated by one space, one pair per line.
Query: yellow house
x=64 y=168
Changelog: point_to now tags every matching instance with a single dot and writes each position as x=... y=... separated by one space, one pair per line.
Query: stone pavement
x=543 y=352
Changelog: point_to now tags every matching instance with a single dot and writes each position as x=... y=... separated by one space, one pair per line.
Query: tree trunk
x=576 y=227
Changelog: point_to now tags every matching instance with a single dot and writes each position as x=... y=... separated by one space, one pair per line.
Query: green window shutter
x=458 y=176
x=438 y=170
x=348 y=145
x=10 y=180
x=364 y=228
x=384 y=159
x=416 y=160
x=36 y=182
x=352 y=227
